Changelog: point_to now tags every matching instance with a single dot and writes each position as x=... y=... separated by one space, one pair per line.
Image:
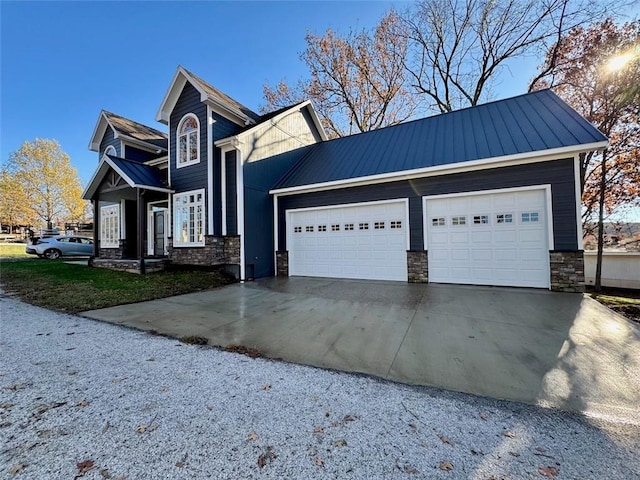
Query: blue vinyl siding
x=109 y=139
x=191 y=177
x=133 y=153
x=231 y=192
x=559 y=174
x=258 y=178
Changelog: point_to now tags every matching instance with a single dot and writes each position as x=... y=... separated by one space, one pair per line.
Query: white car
x=61 y=246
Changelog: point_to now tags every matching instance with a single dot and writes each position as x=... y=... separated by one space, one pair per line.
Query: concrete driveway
x=553 y=349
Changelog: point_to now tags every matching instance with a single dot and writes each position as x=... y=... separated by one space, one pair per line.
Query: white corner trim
x=240 y=213
x=473 y=165
x=223 y=187
x=210 y=122
x=122 y=151
x=576 y=174
x=123 y=224
x=275 y=235
x=169 y=158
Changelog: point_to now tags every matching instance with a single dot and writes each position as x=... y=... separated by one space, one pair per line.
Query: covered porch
x=131 y=215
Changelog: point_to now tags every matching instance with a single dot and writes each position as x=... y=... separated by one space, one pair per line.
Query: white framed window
x=110 y=226
x=480 y=219
x=309 y=229
x=111 y=150
x=348 y=226
x=188 y=135
x=378 y=225
x=188 y=218
x=335 y=227
x=397 y=224
x=297 y=229
x=459 y=220
x=322 y=228
x=363 y=226
x=504 y=218
x=438 y=222
x=529 y=217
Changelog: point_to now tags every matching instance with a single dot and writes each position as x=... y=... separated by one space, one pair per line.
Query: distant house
x=486 y=195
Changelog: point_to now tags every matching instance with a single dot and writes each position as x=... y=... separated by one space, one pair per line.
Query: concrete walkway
x=535 y=346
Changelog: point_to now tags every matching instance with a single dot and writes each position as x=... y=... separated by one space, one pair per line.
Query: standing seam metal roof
x=527 y=123
x=140 y=174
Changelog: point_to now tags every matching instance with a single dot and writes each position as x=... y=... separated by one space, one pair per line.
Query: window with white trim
x=188 y=218
x=395 y=224
x=504 y=218
x=111 y=150
x=322 y=228
x=363 y=226
x=458 y=220
x=348 y=226
x=480 y=219
x=378 y=225
x=438 y=222
x=110 y=226
x=188 y=133
x=309 y=228
x=297 y=229
x=335 y=227
x=529 y=217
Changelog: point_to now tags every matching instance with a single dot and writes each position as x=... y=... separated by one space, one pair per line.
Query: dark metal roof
x=138 y=174
x=129 y=128
x=528 y=123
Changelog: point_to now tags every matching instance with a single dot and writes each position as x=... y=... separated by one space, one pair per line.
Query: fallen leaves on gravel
x=83 y=403
x=180 y=463
x=318 y=461
x=266 y=387
x=267 y=457
x=17 y=469
x=252 y=436
x=445 y=439
x=340 y=443
x=446 y=466
x=483 y=416
x=549 y=472
x=84 y=467
x=104 y=473
x=509 y=434
x=241 y=349
x=410 y=470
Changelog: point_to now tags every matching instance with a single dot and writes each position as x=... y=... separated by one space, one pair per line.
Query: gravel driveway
x=84 y=399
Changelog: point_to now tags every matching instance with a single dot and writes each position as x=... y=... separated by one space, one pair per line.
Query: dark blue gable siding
x=559 y=174
x=133 y=153
x=109 y=139
x=191 y=177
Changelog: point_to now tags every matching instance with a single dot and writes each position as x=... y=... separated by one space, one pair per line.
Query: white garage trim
x=343 y=255
x=549 y=211
x=486 y=237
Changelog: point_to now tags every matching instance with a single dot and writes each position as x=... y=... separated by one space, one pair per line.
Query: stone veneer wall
x=113 y=253
x=217 y=250
x=567 y=271
x=131 y=266
x=282 y=263
x=417 y=266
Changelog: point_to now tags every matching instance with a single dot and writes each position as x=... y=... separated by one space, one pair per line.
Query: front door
x=158 y=239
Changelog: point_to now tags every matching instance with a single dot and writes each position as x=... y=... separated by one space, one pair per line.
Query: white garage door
x=489 y=239
x=361 y=241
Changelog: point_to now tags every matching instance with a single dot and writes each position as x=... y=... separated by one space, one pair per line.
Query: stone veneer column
x=417 y=266
x=567 y=270
x=282 y=263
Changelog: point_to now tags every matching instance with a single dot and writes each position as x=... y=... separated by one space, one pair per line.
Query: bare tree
x=357 y=81
x=457 y=48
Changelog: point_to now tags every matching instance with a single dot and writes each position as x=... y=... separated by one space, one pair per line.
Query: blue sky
x=62 y=62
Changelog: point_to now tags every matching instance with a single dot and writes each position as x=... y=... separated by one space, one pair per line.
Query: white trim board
x=470 y=166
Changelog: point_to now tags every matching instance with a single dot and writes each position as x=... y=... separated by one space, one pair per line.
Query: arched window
x=111 y=150
x=188 y=146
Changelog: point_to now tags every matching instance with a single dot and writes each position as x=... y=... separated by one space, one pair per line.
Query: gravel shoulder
x=85 y=399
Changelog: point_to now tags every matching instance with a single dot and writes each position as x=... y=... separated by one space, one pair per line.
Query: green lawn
x=74 y=288
x=14 y=250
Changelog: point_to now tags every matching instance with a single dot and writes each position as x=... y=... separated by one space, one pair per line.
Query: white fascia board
x=158 y=162
x=98 y=132
x=99 y=173
x=316 y=120
x=210 y=122
x=473 y=165
x=230 y=113
x=171 y=97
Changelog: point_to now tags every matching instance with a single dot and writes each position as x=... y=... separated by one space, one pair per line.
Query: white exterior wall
x=274 y=137
x=619 y=269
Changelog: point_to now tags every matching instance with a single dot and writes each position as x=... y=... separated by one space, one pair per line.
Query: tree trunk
x=603 y=186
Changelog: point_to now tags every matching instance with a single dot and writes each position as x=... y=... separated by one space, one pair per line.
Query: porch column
x=141 y=217
x=96 y=227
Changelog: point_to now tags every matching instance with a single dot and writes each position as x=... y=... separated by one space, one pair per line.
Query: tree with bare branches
x=357 y=81
x=458 y=48
x=597 y=71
